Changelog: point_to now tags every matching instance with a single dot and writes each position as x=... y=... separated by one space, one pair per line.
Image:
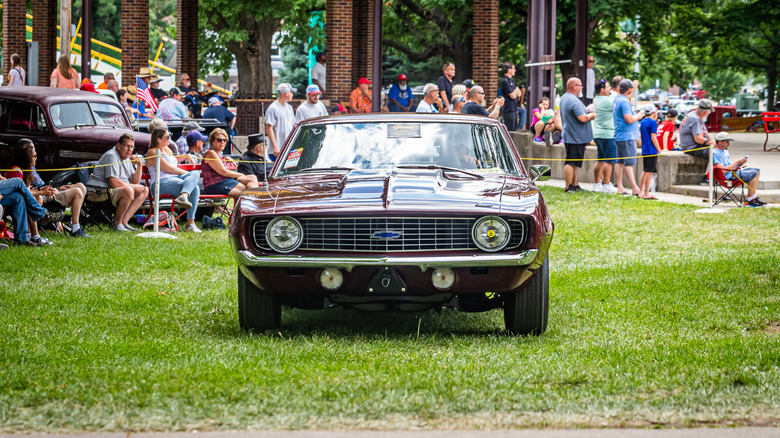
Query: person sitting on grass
x=118 y=175
x=219 y=173
x=650 y=150
x=173 y=180
x=749 y=176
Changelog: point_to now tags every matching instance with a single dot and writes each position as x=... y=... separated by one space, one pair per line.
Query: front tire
x=257 y=310
x=525 y=312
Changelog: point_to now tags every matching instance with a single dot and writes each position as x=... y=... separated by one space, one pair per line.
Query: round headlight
x=490 y=233
x=284 y=234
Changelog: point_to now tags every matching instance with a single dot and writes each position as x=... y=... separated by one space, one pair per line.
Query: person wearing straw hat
x=749 y=175
x=154 y=88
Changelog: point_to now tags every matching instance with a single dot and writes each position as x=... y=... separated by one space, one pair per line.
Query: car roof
x=402 y=117
x=47 y=95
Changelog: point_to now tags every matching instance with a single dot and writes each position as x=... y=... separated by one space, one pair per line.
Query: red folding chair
x=725 y=188
x=771 y=124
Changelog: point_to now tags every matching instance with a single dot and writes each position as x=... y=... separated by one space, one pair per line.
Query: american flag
x=145 y=95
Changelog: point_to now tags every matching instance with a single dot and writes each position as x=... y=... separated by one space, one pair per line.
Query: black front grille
x=387 y=234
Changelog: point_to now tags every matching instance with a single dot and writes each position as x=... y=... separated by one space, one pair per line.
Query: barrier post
x=712 y=175
x=156 y=233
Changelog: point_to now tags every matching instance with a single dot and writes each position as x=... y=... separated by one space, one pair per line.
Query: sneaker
x=3 y=246
x=119 y=227
x=598 y=188
x=28 y=243
x=577 y=188
x=609 y=188
x=754 y=203
x=42 y=240
x=193 y=228
x=79 y=233
x=704 y=181
x=51 y=218
x=129 y=228
x=539 y=139
x=759 y=201
x=183 y=202
x=570 y=189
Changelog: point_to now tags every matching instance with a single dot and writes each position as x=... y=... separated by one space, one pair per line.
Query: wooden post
x=65 y=27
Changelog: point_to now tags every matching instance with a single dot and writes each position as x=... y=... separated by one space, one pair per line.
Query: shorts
x=221 y=188
x=102 y=194
x=747 y=174
x=699 y=152
x=626 y=152
x=574 y=154
x=606 y=149
x=650 y=164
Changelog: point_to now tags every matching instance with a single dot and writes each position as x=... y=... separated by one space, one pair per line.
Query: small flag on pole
x=144 y=94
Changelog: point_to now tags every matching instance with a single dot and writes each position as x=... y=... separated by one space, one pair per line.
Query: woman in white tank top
x=173 y=180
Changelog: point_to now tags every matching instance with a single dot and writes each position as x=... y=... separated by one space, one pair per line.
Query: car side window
x=23 y=117
x=68 y=115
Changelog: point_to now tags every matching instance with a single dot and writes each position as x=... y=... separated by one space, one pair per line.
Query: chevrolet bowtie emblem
x=386 y=235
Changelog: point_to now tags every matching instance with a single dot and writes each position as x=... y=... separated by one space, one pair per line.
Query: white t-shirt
x=318 y=74
x=307 y=111
x=425 y=107
x=281 y=118
x=590 y=83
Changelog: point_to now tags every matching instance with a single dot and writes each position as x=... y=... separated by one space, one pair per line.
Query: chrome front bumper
x=525 y=257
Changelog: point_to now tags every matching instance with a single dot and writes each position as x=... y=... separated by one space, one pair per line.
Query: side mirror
x=540 y=172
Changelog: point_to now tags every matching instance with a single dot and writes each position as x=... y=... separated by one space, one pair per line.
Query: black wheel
x=525 y=311
x=257 y=310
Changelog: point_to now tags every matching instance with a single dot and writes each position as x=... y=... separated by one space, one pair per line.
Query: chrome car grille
x=373 y=234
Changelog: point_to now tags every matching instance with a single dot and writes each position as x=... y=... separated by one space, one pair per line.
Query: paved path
x=741 y=432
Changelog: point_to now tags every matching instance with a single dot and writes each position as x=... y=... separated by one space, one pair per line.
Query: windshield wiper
x=436 y=166
x=325 y=169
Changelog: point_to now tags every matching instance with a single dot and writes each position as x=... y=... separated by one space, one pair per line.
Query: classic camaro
x=395 y=212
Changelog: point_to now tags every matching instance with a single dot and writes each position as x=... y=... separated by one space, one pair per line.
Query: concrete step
x=700 y=191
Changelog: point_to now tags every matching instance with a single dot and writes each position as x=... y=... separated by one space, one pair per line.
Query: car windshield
x=383 y=146
x=68 y=115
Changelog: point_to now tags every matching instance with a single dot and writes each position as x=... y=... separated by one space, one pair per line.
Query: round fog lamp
x=443 y=278
x=331 y=279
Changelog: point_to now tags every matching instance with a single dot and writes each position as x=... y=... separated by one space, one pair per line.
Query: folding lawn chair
x=725 y=188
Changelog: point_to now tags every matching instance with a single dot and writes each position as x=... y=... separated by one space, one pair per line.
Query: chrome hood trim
x=526 y=257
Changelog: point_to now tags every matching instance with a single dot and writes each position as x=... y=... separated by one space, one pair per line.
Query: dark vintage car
x=401 y=212
x=67 y=126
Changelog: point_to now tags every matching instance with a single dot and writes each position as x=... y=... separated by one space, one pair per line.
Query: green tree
x=722 y=83
x=243 y=31
x=296 y=69
x=743 y=35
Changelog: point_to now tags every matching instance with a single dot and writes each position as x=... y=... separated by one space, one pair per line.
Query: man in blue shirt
x=722 y=160
x=626 y=135
x=474 y=106
x=218 y=111
x=400 y=96
x=577 y=132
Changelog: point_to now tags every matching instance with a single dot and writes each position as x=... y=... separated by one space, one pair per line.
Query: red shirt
x=666 y=126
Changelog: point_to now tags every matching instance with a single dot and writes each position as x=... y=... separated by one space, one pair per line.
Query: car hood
x=400 y=190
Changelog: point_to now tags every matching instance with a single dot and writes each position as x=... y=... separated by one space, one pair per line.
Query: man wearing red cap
x=401 y=97
x=360 y=98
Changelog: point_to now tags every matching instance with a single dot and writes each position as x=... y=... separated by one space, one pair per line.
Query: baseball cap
x=285 y=87
x=214 y=100
x=313 y=89
x=672 y=113
x=364 y=81
x=194 y=136
x=721 y=136
x=402 y=77
x=468 y=83
x=626 y=85
x=337 y=108
x=174 y=91
x=649 y=109
x=705 y=105
x=193 y=126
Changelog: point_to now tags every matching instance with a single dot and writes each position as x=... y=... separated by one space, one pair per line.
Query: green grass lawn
x=658 y=317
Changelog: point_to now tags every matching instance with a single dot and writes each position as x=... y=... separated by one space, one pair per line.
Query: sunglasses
x=220 y=140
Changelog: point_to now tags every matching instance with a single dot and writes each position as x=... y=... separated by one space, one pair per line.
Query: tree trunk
x=253 y=59
x=771 y=76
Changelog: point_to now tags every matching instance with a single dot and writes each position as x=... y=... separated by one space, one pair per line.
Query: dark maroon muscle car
x=67 y=126
x=395 y=212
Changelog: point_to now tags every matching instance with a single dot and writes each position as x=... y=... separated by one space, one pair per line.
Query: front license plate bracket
x=387 y=282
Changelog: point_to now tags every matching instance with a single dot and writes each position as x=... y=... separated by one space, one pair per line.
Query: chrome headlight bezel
x=273 y=241
x=496 y=224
